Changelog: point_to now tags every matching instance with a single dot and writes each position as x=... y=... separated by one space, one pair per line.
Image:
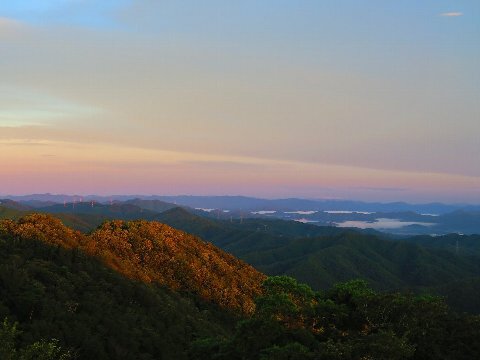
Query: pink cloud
x=452 y=14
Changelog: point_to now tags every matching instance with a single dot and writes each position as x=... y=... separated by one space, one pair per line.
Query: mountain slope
x=124 y=211
x=330 y=255
x=459 y=244
x=118 y=303
x=387 y=265
x=154 y=253
x=243 y=236
x=152 y=205
x=10 y=213
x=61 y=293
x=14 y=205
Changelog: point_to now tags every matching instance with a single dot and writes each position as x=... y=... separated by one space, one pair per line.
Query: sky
x=370 y=100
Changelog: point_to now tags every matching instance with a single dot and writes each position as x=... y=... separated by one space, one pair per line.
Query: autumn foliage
x=154 y=253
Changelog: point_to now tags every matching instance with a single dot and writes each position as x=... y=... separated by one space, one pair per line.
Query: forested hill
x=319 y=256
x=152 y=252
x=323 y=256
x=456 y=243
x=7 y=211
x=109 y=295
x=54 y=290
x=387 y=265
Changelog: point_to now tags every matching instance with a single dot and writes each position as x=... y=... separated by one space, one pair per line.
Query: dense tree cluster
x=40 y=350
x=350 y=321
x=319 y=256
x=143 y=290
x=323 y=256
x=93 y=311
x=153 y=252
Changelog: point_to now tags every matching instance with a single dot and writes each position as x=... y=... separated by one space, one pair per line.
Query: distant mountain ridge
x=245 y=202
x=398 y=218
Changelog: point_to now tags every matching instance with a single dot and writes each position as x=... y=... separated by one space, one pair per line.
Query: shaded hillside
x=324 y=261
x=124 y=211
x=152 y=205
x=10 y=213
x=87 y=216
x=153 y=252
x=243 y=236
x=461 y=295
x=54 y=290
x=459 y=244
x=14 y=205
x=81 y=222
x=222 y=234
x=284 y=228
x=461 y=221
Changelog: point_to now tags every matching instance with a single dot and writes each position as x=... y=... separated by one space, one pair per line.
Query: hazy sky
x=372 y=100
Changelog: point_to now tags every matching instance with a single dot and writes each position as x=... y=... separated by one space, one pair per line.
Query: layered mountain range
x=144 y=290
x=319 y=256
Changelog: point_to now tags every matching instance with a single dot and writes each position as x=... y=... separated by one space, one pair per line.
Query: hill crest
x=153 y=252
